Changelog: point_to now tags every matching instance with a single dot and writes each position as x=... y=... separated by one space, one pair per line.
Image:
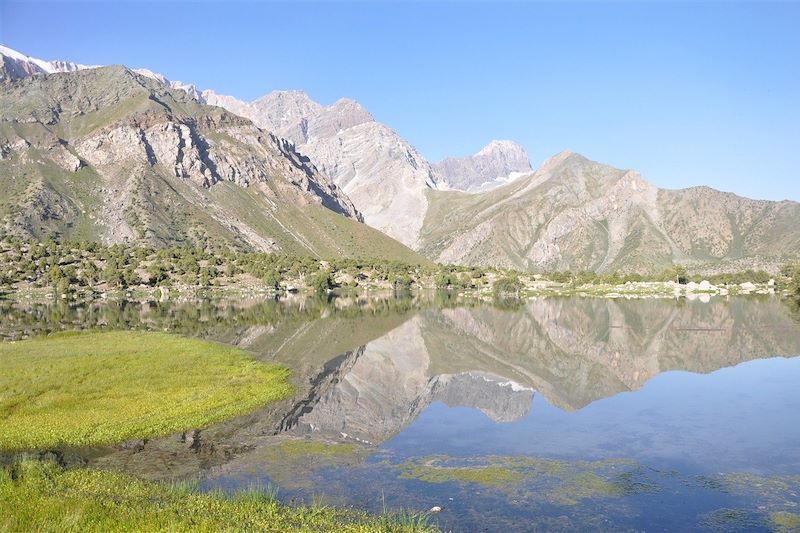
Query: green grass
x=308 y=230
x=42 y=497
x=101 y=388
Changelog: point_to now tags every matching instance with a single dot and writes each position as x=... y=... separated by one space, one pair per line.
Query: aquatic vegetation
x=292 y=463
x=321 y=451
x=785 y=522
x=773 y=494
x=41 y=496
x=733 y=520
x=559 y=482
x=101 y=388
x=430 y=471
x=775 y=489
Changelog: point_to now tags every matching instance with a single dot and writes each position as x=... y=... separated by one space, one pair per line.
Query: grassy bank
x=101 y=388
x=42 y=497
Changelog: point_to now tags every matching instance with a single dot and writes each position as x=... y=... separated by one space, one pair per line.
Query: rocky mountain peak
x=507 y=149
x=334 y=119
x=358 y=114
x=495 y=164
x=188 y=88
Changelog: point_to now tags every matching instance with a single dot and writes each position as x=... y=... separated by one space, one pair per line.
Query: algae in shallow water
x=490 y=475
x=558 y=482
x=785 y=522
x=733 y=520
x=292 y=463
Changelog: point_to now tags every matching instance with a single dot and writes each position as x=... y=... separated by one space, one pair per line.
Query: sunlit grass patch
x=101 y=388
x=42 y=497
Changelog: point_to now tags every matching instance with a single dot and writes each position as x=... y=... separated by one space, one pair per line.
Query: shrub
x=507 y=286
x=319 y=282
x=402 y=283
x=443 y=280
x=272 y=279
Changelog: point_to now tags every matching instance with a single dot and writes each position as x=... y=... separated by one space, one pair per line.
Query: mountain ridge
x=108 y=154
x=380 y=171
x=577 y=214
x=569 y=214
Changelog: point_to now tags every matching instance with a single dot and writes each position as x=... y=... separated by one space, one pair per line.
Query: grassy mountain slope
x=108 y=155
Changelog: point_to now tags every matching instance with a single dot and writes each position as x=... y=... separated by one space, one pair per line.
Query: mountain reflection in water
x=403 y=397
x=572 y=351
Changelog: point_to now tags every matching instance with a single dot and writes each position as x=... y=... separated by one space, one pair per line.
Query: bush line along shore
x=87 y=270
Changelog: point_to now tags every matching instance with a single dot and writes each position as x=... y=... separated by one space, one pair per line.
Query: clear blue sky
x=687 y=93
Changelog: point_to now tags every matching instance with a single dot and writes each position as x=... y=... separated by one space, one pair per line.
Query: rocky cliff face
x=496 y=164
x=380 y=171
x=109 y=154
x=574 y=214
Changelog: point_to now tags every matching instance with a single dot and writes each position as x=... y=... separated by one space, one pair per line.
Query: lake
x=556 y=414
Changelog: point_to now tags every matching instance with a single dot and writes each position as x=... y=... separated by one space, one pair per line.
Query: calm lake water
x=558 y=414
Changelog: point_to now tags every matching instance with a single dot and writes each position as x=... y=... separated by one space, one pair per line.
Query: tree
x=795 y=286
x=507 y=286
x=62 y=287
x=680 y=274
x=272 y=279
x=442 y=280
x=131 y=277
x=319 y=282
x=157 y=273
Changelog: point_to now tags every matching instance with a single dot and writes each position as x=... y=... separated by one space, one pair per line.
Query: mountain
x=379 y=170
x=14 y=65
x=495 y=164
x=108 y=154
x=576 y=214
x=571 y=214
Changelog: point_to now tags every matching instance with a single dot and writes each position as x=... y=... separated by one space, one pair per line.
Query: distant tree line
x=70 y=267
